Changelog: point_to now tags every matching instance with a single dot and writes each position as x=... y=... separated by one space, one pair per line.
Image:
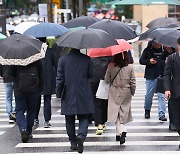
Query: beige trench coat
x=120 y=93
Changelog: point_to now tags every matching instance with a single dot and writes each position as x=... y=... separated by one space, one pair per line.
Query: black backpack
x=28 y=78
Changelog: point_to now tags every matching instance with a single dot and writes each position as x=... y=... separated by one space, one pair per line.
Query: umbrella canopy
x=21 y=50
x=165 y=36
x=84 y=21
x=118 y=30
x=110 y=51
x=46 y=29
x=10 y=27
x=86 y=38
x=22 y=27
x=145 y=2
x=76 y=28
x=163 y=21
x=146 y=34
x=2 y=36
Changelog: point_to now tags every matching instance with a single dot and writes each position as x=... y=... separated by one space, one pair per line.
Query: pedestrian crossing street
x=4 y=125
x=145 y=136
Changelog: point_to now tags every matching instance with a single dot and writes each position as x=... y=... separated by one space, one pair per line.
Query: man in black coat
x=28 y=83
x=172 y=85
x=167 y=52
x=73 y=74
x=152 y=58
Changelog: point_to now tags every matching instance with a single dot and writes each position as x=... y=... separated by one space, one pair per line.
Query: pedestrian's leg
x=123 y=128
x=82 y=132
x=150 y=90
x=70 y=127
x=161 y=106
x=9 y=97
x=104 y=111
x=171 y=118
x=176 y=113
x=21 y=105
x=83 y=125
x=95 y=100
x=123 y=135
x=33 y=98
x=37 y=110
x=47 y=108
x=118 y=128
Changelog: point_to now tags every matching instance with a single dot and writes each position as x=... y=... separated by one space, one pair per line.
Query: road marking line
x=108 y=127
x=108 y=135
x=2 y=132
x=64 y=144
x=110 y=152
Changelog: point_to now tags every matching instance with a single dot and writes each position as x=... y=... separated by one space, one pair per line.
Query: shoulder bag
x=103 y=89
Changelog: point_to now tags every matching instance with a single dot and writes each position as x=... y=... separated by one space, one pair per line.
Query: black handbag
x=160 y=85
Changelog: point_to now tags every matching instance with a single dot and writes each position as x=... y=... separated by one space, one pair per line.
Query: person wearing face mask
x=172 y=85
x=152 y=57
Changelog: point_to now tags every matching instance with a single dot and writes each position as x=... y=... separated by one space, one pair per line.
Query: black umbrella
x=145 y=35
x=86 y=38
x=83 y=21
x=21 y=50
x=118 y=30
x=162 y=22
x=165 y=36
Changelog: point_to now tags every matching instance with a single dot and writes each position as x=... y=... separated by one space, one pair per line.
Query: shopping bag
x=103 y=90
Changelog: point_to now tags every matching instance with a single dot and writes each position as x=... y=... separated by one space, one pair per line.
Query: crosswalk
x=144 y=136
x=4 y=125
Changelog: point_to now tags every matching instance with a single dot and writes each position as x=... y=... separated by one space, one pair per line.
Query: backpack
x=28 y=78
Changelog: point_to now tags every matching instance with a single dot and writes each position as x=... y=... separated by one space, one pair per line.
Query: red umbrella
x=110 y=51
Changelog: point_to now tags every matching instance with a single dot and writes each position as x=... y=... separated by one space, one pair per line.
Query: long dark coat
x=50 y=68
x=171 y=83
x=75 y=70
x=172 y=74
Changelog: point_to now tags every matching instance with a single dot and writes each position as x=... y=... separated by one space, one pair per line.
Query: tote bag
x=103 y=89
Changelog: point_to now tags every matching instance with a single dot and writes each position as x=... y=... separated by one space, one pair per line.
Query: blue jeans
x=26 y=103
x=83 y=127
x=9 y=97
x=150 y=90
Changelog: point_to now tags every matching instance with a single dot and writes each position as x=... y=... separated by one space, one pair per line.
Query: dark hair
x=121 y=59
x=178 y=41
x=42 y=39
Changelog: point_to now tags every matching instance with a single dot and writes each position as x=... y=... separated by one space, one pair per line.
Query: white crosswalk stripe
x=145 y=136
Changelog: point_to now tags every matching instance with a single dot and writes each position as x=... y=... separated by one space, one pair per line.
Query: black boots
x=147 y=114
x=24 y=136
x=80 y=146
x=123 y=138
x=117 y=138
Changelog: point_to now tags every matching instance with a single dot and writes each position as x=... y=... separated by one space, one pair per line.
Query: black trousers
x=47 y=107
x=176 y=113
x=100 y=107
x=83 y=126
